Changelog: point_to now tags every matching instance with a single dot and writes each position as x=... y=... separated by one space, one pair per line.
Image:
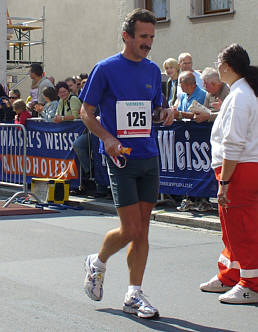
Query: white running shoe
x=239 y=295
x=93 y=284
x=137 y=304
x=214 y=285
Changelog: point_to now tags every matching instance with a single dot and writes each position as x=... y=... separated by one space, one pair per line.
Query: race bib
x=133 y=118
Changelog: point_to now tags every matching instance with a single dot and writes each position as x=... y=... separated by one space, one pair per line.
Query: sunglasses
x=13 y=97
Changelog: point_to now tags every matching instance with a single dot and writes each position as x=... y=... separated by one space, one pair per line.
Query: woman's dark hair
x=60 y=85
x=2 y=92
x=238 y=59
x=50 y=93
x=139 y=14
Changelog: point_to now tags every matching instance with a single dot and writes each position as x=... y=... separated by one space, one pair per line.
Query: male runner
x=127 y=88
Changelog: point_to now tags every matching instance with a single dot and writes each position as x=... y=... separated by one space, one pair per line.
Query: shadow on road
x=166 y=324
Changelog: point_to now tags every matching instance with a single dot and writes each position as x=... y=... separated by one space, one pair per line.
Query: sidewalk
x=164 y=211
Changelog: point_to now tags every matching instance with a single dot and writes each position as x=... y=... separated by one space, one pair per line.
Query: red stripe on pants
x=239 y=224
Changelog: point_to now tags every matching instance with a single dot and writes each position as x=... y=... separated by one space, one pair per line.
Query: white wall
x=79 y=33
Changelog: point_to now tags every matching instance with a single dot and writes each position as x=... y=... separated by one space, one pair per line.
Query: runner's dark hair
x=138 y=14
x=238 y=59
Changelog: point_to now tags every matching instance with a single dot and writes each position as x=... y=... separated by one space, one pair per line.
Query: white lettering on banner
x=249 y=273
x=230 y=265
x=57 y=141
x=35 y=163
x=43 y=167
x=181 y=153
x=166 y=139
x=38 y=166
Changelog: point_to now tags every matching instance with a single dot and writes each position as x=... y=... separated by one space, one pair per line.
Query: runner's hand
x=112 y=146
x=167 y=116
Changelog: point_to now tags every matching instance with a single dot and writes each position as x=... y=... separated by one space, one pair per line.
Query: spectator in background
x=191 y=92
x=6 y=112
x=69 y=105
x=14 y=95
x=84 y=76
x=51 y=79
x=83 y=83
x=22 y=114
x=39 y=82
x=49 y=109
x=217 y=92
x=171 y=68
x=186 y=64
x=72 y=85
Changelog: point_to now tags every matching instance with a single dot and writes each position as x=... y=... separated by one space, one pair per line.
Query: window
x=202 y=8
x=216 y=6
x=160 y=8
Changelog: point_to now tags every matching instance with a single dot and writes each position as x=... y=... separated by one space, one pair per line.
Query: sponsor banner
x=185 y=159
x=50 y=151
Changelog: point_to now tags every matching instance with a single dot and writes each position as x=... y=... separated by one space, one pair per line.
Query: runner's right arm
x=88 y=117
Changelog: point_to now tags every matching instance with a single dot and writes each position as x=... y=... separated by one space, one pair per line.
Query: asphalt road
x=41 y=278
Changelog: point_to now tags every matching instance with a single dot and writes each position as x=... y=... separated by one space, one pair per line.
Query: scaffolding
x=21 y=41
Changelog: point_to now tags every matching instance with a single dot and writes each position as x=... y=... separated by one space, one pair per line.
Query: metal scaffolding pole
x=3 y=37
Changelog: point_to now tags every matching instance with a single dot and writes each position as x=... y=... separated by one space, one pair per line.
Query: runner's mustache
x=145 y=47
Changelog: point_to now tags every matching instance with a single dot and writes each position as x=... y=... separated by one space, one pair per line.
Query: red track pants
x=238 y=262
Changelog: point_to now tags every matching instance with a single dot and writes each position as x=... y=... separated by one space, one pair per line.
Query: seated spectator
x=48 y=111
x=191 y=92
x=22 y=114
x=72 y=85
x=69 y=105
x=172 y=70
x=217 y=92
x=6 y=111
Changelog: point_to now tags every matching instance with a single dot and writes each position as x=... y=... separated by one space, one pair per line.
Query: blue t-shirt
x=119 y=79
x=185 y=101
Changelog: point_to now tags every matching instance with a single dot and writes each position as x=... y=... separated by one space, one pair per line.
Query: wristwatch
x=224 y=183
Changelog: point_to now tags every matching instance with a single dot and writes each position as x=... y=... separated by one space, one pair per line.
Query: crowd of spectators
x=60 y=102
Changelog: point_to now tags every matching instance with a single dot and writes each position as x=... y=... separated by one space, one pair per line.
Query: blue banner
x=50 y=151
x=185 y=159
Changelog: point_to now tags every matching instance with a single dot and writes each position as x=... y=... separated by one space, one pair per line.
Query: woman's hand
x=222 y=195
x=58 y=119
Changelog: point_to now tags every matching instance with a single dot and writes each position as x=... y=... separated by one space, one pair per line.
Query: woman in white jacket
x=234 y=141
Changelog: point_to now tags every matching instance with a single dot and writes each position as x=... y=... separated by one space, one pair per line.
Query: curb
x=188 y=219
x=159 y=215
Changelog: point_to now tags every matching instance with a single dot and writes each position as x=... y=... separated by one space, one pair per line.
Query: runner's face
x=140 y=45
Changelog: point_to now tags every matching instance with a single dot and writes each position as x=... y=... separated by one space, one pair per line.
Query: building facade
x=80 y=33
